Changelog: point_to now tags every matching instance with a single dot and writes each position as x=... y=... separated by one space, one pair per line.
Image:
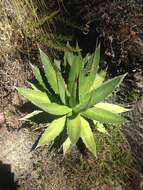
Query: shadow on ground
x=7 y=181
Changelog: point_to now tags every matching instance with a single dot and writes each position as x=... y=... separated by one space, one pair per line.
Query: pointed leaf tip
x=52 y=131
x=87 y=136
x=73 y=128
x=50 y=72
x=103 y=116
x=99 y=94
x=111 y=107
x=66 y=145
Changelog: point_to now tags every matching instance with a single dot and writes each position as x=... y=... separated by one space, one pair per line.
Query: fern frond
x=69 y=23
x=53 y=36
x=40 y=21
x=60 y=46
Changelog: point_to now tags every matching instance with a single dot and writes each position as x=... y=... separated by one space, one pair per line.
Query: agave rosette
x=75 y=93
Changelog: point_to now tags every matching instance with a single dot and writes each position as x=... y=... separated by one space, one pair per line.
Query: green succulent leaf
x=56 y=109
x=66 y=145
x=111 y=107
x=103 y=116
x=103 y=91
x=37 y=74
x=99 y=94
x=73 y=128
x=52 y=131
x=49 y=71
x=61 y=87
x=92 y=70
x=83 y=80
x=86 y=58
x=88 y=63
x=57 y=64
x=87 y=136
x=100 y=77
x=68 y=58
x=100 y=127
x=28 y=116
x=41 y=100
x=34 y=96
x=73 y=79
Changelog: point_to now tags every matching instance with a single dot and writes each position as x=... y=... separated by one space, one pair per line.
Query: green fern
x=40 y=26
x=69 y=23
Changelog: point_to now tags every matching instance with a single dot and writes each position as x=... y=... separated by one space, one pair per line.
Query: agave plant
x=75 y=93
